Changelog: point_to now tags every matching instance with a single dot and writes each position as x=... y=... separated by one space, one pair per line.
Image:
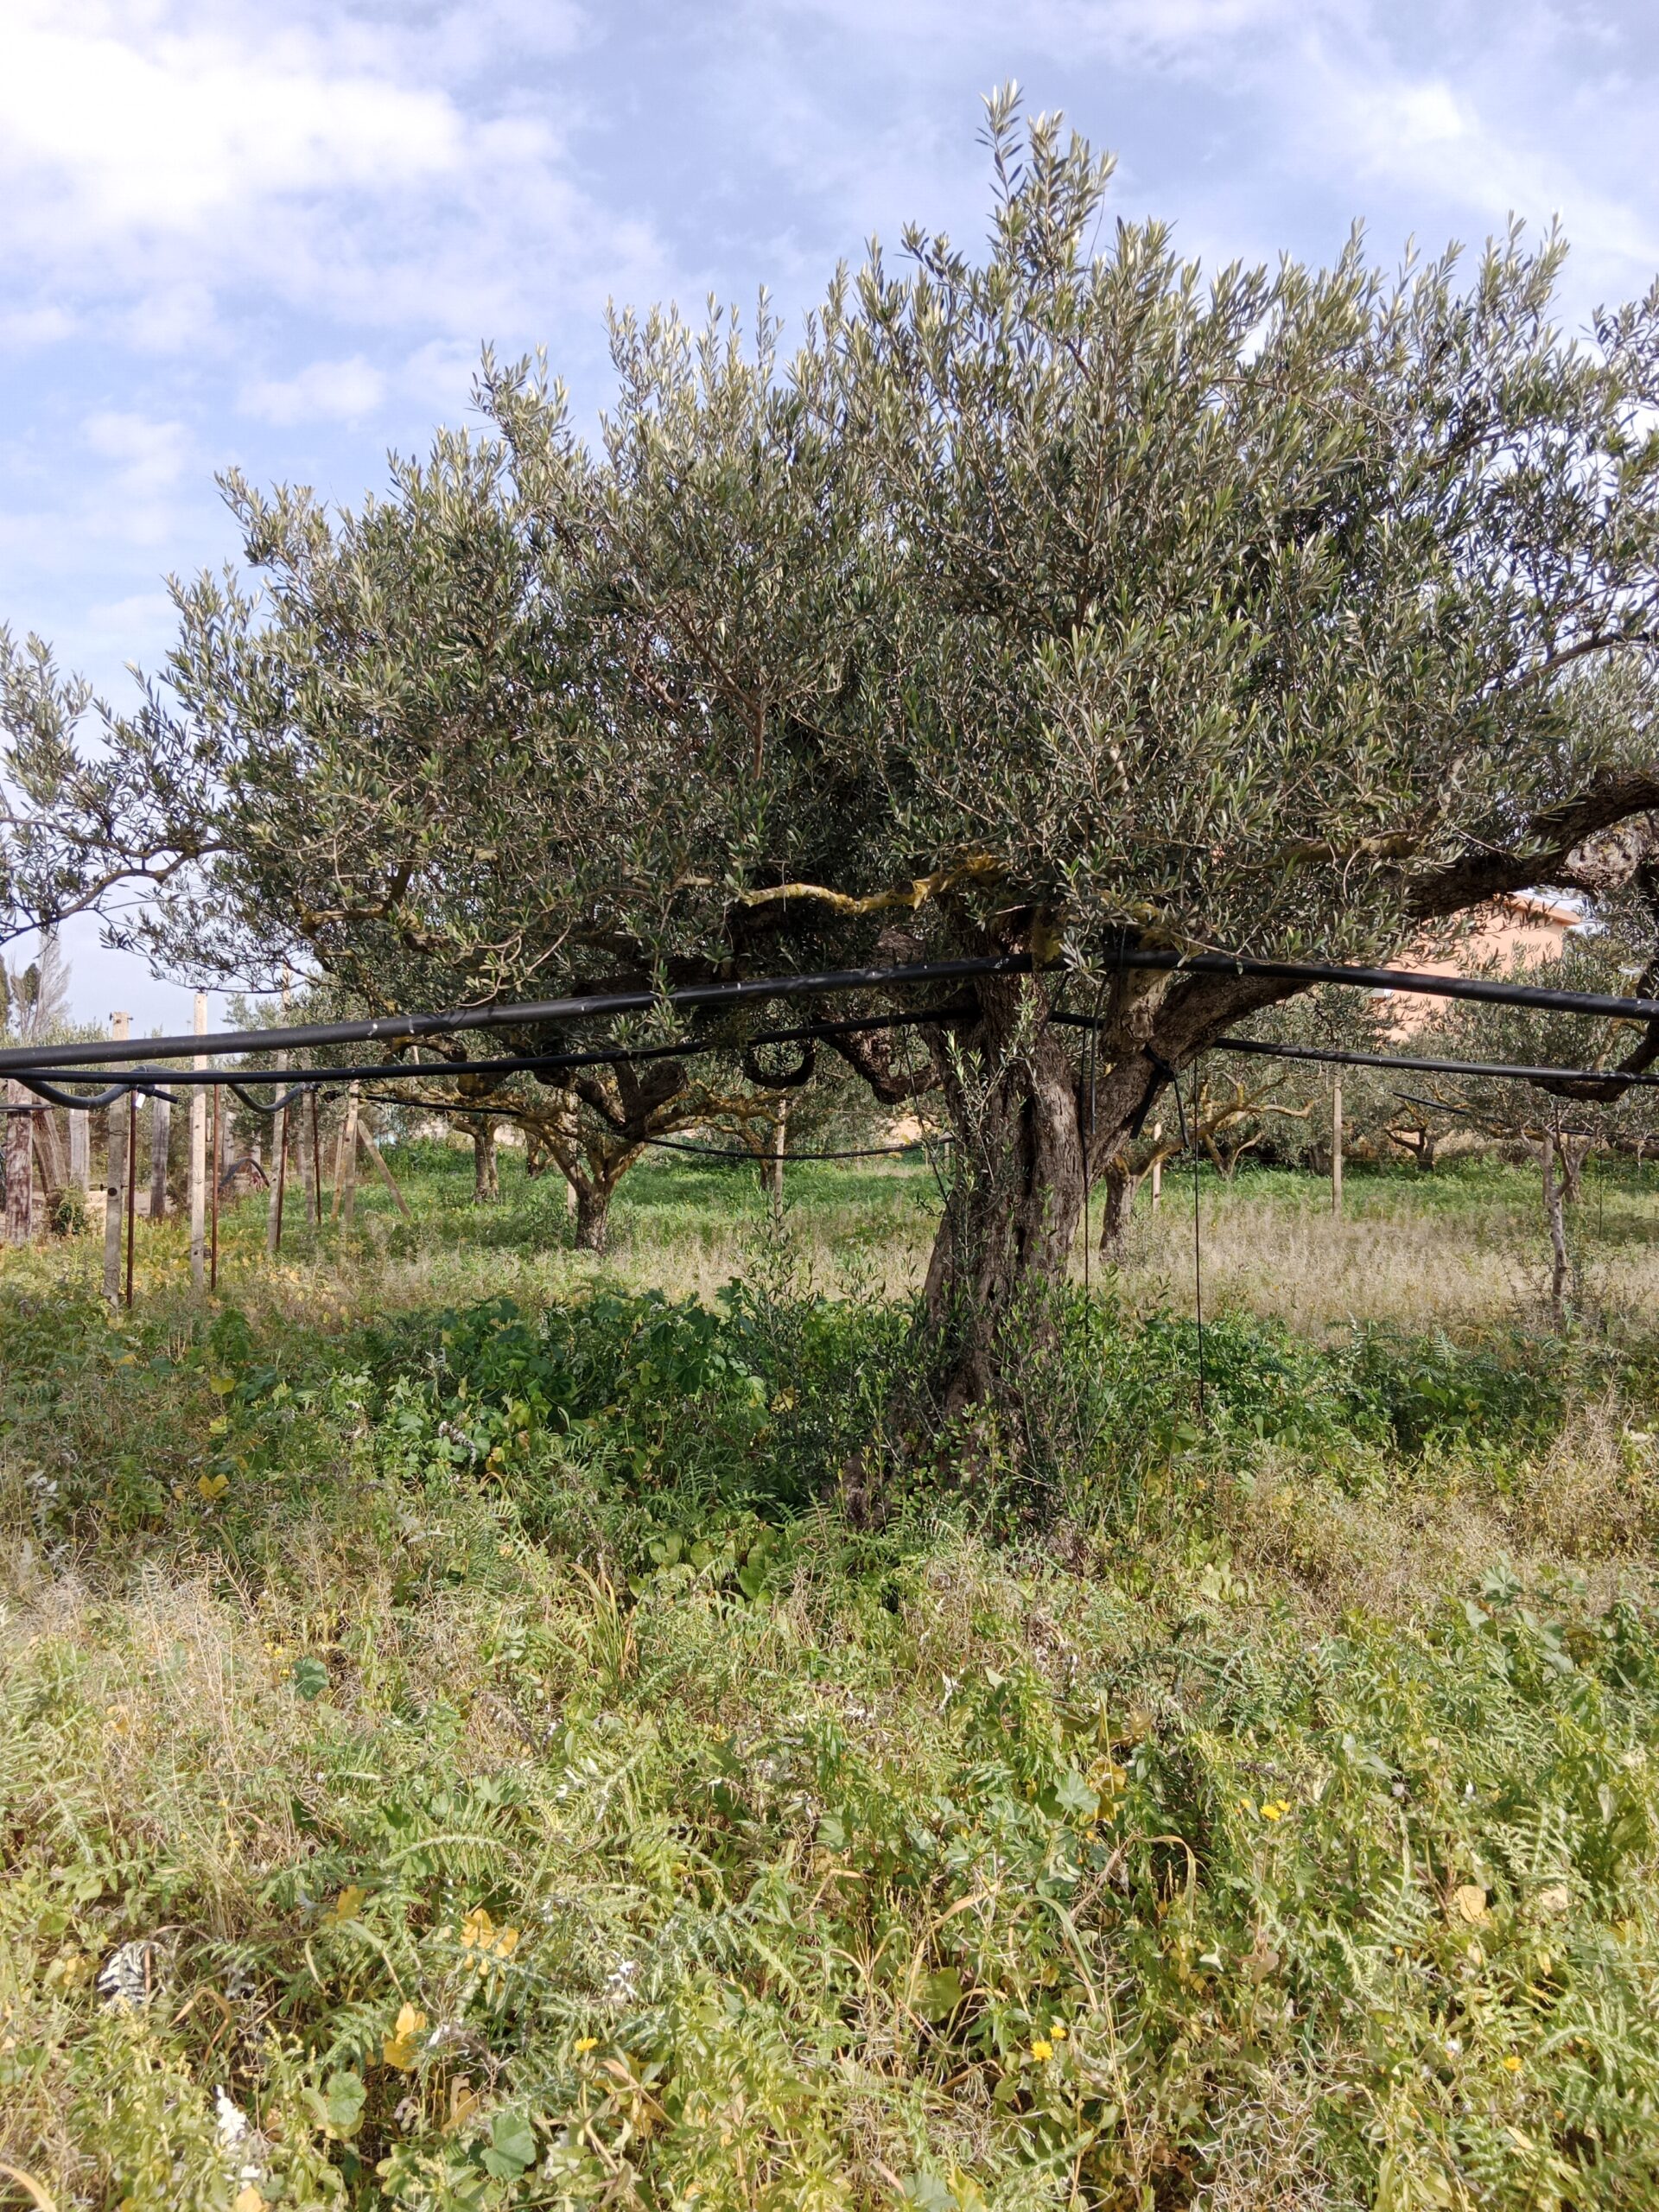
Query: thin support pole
x=198 y=1161
x=132 y=1184
x=345 y=1179
x=1088 y=1140
x=386 y=1176
x=314 y=1181
x=1093 y=1051
x=1198 y=1238
x=274 y=1224
x=1336 y=1147
x=115 y=1178
x=213 y=1268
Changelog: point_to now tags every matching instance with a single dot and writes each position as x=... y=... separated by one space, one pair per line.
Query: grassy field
x=480 y=1727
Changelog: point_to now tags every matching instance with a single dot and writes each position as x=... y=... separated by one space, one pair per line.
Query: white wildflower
x=233 y=2121
x=621 y=1980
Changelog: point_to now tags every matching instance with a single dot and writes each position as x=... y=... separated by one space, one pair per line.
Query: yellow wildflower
x=399 y=2048
x=480 y=1933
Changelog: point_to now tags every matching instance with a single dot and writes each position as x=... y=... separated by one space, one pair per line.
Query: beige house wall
x=1527 y=924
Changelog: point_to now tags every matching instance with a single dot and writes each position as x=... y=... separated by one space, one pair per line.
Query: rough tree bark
x=1013 y=1090
x=1570 y=1153
x=20 y=1163
x=1118 y=1185
x=1554 y=1214
x=772 y=1167
x=594 y=1210
x=486 y=1175
x=48 y=1155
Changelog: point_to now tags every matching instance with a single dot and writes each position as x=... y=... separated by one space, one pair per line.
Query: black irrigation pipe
x=1469 y=1113
x=1503 y=1069
x=714 y=1152
x=257 y=1105
x=158 y=1082
x=758 y=1160
x=25 y=1063
x=520 y=1064
x=406 y=1027
x=388 y=1028
x=145 y=1082
x=1411 y=982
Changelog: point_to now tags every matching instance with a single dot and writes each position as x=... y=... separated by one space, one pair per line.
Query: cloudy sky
x=276 y=237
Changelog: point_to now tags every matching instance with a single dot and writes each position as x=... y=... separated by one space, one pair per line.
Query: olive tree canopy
x=1050 y=599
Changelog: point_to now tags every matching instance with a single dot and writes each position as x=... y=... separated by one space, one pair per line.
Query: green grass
x=475 y=1730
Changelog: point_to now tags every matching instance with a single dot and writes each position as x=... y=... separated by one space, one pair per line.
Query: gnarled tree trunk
x=593 y=1214
x=1016 y=1200
x=487 y=1177
x=1118 y=1185
x=1572 y=1152
x=1023 y=1101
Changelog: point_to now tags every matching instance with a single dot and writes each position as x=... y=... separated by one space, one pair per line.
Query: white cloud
x=136 y=497
x=137 y=627
x=1491 y=130
x=437 y=378
x=149 y=455
x=133 y=128
x=28 y=326
x=339 y=392
x=173 y=159
x=1269 y=117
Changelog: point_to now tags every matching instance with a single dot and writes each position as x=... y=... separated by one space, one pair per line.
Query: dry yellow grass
x=1399 y=1254
x=1450 y=1252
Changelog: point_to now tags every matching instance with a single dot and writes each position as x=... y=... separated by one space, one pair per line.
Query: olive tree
x=1560 y=1121
x=1047 y=602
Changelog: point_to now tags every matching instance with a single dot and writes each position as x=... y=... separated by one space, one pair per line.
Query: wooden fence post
x=132 y=1187
x=346 y=1184
x=80 y=1149
x=1336 y=1146
x=48 y=1157
x=20 y=1164
x=161 y=1137
x=115 y=1169
x=199 y=1160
